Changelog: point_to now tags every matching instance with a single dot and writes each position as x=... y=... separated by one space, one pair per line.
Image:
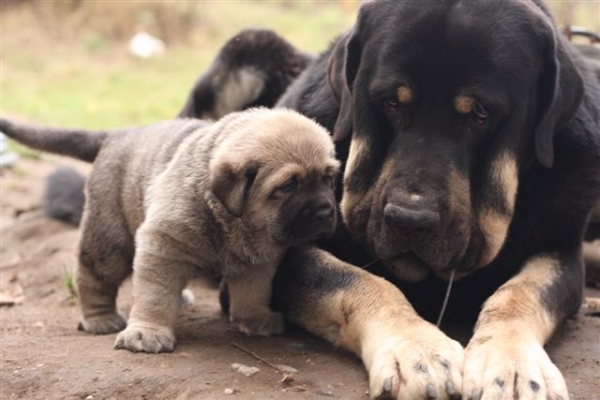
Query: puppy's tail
x=80 y=144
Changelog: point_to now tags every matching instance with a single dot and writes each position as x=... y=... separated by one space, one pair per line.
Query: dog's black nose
x=404 y=217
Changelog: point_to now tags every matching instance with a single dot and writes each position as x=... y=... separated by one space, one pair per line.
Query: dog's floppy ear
x=231 y=185
x=560 y=91
x=341 y=71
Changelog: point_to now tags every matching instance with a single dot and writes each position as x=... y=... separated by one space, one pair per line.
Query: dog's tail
x=80 y=144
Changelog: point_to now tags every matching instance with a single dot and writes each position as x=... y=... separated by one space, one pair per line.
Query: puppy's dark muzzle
x=320 y=217
x=315 y=221
x=320 y=214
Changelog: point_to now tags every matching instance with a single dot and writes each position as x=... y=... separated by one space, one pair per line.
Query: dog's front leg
x=405 y=356
x=158 y=279
x=505 y=359
x=250 y=299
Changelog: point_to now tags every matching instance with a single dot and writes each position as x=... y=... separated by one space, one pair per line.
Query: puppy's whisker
x=445 y=303
x=369 y=264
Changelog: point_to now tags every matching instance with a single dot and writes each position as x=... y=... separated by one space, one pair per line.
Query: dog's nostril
x=412 y=219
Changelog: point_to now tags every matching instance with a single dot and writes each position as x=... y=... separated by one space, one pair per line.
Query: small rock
x=144 y=45
x=229 y=391
x=286 y=369
x=298 y=388
x=6 y=300
x=244 y=369
x=90 y=397
x=592 y=303
x=326 y=393
x=13 y=296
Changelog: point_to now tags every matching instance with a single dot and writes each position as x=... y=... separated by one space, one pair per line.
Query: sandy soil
x=43 y=356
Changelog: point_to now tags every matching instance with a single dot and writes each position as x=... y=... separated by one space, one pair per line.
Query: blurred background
x=68 y=62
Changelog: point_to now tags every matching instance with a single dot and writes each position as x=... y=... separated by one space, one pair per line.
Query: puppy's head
x=446 y=103
x=275 y=170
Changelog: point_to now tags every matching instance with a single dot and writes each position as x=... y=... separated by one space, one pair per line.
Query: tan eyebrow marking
x=464 y=104
x=405 y=94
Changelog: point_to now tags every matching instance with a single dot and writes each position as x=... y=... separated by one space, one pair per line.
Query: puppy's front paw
x=146 y=339
x=419 y=362
x=103 y=324
x=508 y=367
x=264 y=324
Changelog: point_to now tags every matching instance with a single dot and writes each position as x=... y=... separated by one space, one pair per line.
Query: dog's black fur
x=63 y=196
x=273 y=63
x=557 y=187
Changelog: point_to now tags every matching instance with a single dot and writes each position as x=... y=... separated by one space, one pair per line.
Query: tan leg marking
x=405 y=356
x=505 y=357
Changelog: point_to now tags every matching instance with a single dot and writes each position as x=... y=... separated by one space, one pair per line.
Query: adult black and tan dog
x=470 y=135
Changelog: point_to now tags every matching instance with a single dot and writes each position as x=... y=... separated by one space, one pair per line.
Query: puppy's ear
x=231 y=186
x=560 y=91
x=341 y=72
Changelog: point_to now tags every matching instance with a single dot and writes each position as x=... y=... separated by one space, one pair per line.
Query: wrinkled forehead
x=296 y=143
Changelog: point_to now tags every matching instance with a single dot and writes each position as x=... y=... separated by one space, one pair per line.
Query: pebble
x=244 y=369
x=228 y=391
x=326 y=393
x=286 y=369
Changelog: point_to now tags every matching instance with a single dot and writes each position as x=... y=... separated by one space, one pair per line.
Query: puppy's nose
x=320 y=213
x=404 y=217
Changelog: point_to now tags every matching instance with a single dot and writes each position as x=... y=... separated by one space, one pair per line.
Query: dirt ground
x=43 y=356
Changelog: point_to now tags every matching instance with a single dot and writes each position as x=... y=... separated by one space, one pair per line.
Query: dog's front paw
x=103 y=324
x=146 y=339
x=419 y=362
x=510 y=368
x=263 y=324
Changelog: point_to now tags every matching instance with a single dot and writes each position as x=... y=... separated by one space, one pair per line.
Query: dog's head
x=447 y=103
x=275 y=169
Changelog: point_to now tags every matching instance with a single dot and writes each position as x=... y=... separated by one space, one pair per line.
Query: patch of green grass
x=77 y=77
x=23 y=151
x=69 y=280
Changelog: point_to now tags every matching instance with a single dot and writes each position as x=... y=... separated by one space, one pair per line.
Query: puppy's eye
x=391 y=105
x=480 y=114
x=289 y=186
x=328 y=180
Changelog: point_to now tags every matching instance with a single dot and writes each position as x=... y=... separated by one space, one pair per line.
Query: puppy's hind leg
x=105 y=260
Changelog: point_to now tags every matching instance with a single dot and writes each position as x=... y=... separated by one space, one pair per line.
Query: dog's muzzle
x=413 y=226
x=408 y=218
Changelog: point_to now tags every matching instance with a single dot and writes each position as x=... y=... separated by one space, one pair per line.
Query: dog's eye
x=391 y=105
x=289 y=186
x=480 y=113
